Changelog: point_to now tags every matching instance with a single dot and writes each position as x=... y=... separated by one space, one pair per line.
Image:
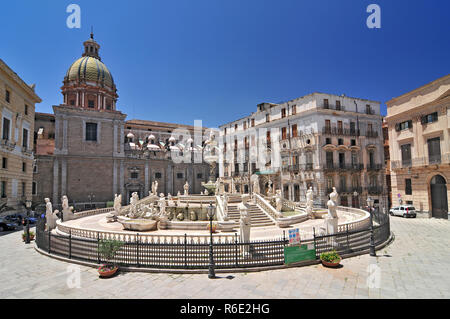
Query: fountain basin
x=138 y=224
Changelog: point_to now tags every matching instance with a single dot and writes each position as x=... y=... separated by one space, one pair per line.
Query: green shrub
x=108 y=249
x=330 y=256
x=109 y=204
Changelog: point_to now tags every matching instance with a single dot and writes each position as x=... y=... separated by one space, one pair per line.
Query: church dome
x=90 y=69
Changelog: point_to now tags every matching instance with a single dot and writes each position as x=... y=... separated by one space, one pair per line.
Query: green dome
x=90 y=69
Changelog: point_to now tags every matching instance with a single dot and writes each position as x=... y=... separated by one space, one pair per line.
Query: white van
x=403 y=210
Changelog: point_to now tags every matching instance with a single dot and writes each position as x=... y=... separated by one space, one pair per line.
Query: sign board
x=294 y=254
x=294 y=236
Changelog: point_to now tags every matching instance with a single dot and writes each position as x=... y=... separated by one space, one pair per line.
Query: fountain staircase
x=258 y=217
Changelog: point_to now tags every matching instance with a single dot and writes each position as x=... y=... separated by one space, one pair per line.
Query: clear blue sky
x=214 y=60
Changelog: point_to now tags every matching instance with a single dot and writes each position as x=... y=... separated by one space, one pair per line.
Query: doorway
x=439 y=202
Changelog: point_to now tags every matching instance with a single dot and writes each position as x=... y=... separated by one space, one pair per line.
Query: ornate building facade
x=419 y=147
x=88 y=151
x=17 y=105
x=318 y=140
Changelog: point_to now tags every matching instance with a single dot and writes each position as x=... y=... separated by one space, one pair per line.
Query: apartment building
x=318 y=140
x=17 y=105
x=419 y=147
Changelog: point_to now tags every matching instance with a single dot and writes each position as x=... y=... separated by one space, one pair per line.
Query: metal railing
x=332 y=130
x=188 y=252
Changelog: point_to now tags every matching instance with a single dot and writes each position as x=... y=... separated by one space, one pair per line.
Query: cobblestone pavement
x=415 y=265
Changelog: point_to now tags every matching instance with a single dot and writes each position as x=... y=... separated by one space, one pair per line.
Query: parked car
x=14 y=218
x=403 y=210
x=6 y=225
x=33 y=220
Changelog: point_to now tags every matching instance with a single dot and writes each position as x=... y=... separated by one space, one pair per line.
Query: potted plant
x=24 y=235
x=214 y=227
x=330 y=259
x=108 y=249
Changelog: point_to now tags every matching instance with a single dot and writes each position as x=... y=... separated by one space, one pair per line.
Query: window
x=6 y=125
x=157 y=175
x=338 y=105
x=25 y=138
x=91 y=103
x=368 y=109
x=134 y=175
x=235 y=127
x=408 y=187
x=406 y=154
x=352 y=128
x=341 y=160
x=91 y=132
x=224 y=147
x=34 y=188
x=5 y=162
x=268 y=138
x=329 y=159
x=294 y=130
x=283 y=133
x=24 y=167
x=225 y=131
x=353 y=142
x=179 y=175
x=328 y=140
x=403 y=125
x=3 y=189
x=340 y=141
x=430 y=118
x=354 y=158
x=328 y=124
x=199 y=175
x=340 y=130
x=245 y=125
x=26 y=109
x=253 y=122
x=267 y=118
x=35 y=168
x=72 y=102
x=294 y=109
x=236 y=167
x=23 y=189
x=108 y=106
x=325 y=103
x=434 y=150
x=283 y=113
x=8 y=96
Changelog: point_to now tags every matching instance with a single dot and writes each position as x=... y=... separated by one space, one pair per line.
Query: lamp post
x=211 y=212
x=27 y=221
x=355 y=195
x=372 y=242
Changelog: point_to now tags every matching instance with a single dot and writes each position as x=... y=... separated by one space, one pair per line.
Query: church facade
x=88 y=151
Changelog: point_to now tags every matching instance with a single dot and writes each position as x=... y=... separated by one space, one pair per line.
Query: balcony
x=27 y=151
x=372 y=134
x=329 y=166
x=434 y=159
x=332 y=107
x=374 y=190
x=374 y=167
x=7 y=145
x=327 y=130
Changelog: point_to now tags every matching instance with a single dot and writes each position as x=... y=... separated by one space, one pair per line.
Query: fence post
x=348 y=244
x=137 y=250
x=236 y=248
x=314 y=238
x=98 y=247
x=70 y=243
x=49 y=241
x=185 y=250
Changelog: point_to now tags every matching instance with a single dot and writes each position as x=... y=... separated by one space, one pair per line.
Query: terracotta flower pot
x=333 y=264
x=214 y=228
x=24 y=237
x=106 y=271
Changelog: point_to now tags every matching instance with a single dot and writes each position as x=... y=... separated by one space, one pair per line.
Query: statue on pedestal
x=186 y=189
x=133 y=208
x=309 y=203
x=66 y=210
x=245 y=224
x=256 y=185
x=269 y=188
x=155 y=188
x=331 y=221
x=50 y=216
x=278 y=201
x=117 y=204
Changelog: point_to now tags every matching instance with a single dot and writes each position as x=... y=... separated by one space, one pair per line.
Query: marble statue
x=269 y=188
x=162 y=205
x=217 y=185
x=309 y=203
x=256 y=185
x=193 y=215
x=225 y=207
x=180 y=216
x=233 y=187
x=117 y=204
x=244 y=224
x=331 y=221
x=278 y=201
x=186 y=189
x=133 y=205
x=66 y=210
x=50 y=216
x=155 y=188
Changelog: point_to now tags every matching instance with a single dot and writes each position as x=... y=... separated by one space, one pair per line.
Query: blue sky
x=177 y=61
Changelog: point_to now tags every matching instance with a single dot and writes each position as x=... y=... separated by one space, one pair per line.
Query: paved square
x=415 y=265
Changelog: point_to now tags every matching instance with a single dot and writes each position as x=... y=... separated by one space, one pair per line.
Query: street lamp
x=355 y=195
x=211 y=213
x=372 y=242
x=27 y=221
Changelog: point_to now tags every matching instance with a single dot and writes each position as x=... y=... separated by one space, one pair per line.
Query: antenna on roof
x=92 y=32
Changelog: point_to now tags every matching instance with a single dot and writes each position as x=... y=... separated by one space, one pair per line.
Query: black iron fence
x=187 y=253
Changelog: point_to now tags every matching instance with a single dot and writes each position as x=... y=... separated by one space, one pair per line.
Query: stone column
x=169 y=179
x=55 y=181
x=63 y=176
x=146 y=179
x=114 y=189
x=122 y=181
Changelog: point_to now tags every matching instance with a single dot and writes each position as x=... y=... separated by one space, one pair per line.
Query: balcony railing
x=374 y=190
x=328 y=130
x=374 y=167
x=372 y=134
x=422 y=161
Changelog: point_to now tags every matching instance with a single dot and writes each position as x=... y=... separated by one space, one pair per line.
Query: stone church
x=88 y=151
